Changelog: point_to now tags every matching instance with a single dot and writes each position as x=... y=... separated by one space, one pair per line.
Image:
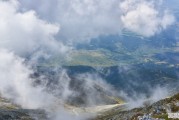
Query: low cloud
x=144 y=18
x=80 y=20
x=24 y=33
x=16 y=85
x=86 y=19
x=31 y=28
x=155 y=94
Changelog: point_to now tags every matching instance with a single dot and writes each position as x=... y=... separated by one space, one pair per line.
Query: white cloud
x=16 y=85
x=24 y=32
x=87 y=19
x=156 y=93
x=143 y=18
x=80 y=19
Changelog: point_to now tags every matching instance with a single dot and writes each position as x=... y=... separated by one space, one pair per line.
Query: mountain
x=11 y=111
x=155 y=111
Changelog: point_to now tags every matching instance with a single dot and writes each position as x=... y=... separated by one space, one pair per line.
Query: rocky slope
x=156 y=111
x=10 y=111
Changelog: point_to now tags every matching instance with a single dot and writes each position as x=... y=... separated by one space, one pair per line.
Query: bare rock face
x=156 y=111
x=22 y=114
x=10 y=111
